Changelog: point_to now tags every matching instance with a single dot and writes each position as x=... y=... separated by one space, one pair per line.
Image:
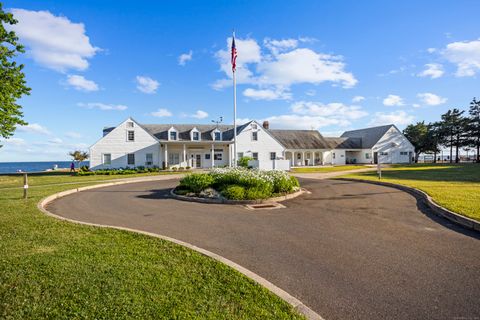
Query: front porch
x=308 y=158
x=195 y=155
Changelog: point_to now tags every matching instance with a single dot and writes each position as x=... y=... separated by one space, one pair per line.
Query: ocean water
x=12 y=167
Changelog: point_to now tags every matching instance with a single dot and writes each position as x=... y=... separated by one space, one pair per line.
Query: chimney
x=266 y=125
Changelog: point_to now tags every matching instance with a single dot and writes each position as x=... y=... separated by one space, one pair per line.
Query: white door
x=197 y=160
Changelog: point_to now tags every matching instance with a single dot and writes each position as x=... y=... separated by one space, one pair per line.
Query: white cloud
x=53 y=41
x=267 y=94
x=55 y=141
x=284 y=65
x=102 y=106
x=398 y=118
x=13 y=141
x=432 y=70
x=147 y=84
x=314 y=115
x=310 y=93
x=358 y=99
x=431 y=50
x=466 y=55
x=431 y=99
x=73 y=135
x=161 y=113
x=393 y=100
x=34 y=128
x=81 y=84
x=185 y=57
x=200 y=114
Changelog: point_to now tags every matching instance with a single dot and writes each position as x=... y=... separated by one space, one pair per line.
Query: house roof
x=369 y=136
x=300 y=139
x=344 y=143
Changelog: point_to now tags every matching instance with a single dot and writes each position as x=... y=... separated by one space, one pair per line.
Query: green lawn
x=454 y=186
x=327 y=169
x=59 y=270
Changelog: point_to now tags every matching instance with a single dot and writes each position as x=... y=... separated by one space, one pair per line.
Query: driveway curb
x=436 y=208
x=282 y=294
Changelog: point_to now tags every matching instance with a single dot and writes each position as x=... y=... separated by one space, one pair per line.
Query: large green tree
x=12 y=79
x=417 y=134
x=473 y=139
x=454 y=127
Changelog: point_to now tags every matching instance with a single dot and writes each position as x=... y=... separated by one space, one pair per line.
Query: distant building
x=131 y=144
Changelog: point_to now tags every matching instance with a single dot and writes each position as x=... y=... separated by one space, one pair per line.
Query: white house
x=131 y=144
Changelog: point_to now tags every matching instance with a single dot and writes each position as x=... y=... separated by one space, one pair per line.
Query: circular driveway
x=348 y=250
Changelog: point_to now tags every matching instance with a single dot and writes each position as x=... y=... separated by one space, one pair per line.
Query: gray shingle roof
x=300 y=139
x=369 y=136
x=160 y=131
x=344 y=143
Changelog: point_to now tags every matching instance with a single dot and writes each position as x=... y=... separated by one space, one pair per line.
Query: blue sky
x=328 y=65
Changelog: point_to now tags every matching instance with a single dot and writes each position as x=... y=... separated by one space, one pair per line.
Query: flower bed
x=84 y=171
x=238 y=184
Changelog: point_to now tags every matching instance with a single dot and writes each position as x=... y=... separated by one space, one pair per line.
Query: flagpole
x=234 y=116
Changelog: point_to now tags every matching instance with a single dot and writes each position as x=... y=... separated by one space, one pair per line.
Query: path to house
x=348 y=250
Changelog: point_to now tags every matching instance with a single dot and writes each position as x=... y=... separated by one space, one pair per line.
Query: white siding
x=116 y=144
x=263 y=146
x=393 y=143
x=339 y=158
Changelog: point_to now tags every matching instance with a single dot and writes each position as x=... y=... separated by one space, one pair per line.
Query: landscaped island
x=238 y=184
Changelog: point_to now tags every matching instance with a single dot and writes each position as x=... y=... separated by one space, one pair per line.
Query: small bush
x=188 y=167
x=243 y=161
x=85 y=173
x=234 y=192
x=197 y=181
x=257 y=193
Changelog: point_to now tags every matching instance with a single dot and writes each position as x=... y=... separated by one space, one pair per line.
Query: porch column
x=166 y=156
x=331 y=152
x=321 y=158
x=303 y=158
x=212 y=155
x=184 y=153
x=230 y=155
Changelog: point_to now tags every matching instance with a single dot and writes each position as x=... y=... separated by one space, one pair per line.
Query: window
x=384 y=153
x=195 y=135
x=299 y=156
x=173 y=135
x=334 y=155
x=129 y=124
x=149 y=159
x=218 y=156
x=239 y=155
x=403 y=153
x=273 y=155
x=131 y=159
x=218 y=136
x=173 y=158
x=254 y=126
x=130 y=135
x=367 y=155
x=207 y=156
x=255 y=155
x=107 y=158
x=255 y=136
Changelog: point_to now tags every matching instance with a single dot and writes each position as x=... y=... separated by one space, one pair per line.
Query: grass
x=454 y=186
x=59 y=270
x=327 y=169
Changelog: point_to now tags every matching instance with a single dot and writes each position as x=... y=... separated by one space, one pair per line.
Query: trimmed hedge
x=197 y=182
x=234 y=192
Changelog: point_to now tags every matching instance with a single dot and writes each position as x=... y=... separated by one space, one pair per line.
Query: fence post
x=25 y=186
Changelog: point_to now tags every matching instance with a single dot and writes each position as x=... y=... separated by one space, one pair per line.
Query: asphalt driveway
x=348 y=250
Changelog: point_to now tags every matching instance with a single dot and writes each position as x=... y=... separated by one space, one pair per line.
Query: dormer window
x=172 y=134
x=195 y=134
x=216 y=135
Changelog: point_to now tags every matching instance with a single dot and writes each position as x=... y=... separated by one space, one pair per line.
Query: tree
x=434 y=139
x=473 y=129
x=79 y=156
x=12 y=79
x=417 y=134
x=454 y=127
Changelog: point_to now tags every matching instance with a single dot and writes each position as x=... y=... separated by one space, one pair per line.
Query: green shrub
x=85 y=173
x=295 y=182
x=257 y=193
x=197 y=181
x=243 y=161
x=234 y=192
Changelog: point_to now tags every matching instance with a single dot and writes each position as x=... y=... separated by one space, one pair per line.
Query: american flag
x=234 y=54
